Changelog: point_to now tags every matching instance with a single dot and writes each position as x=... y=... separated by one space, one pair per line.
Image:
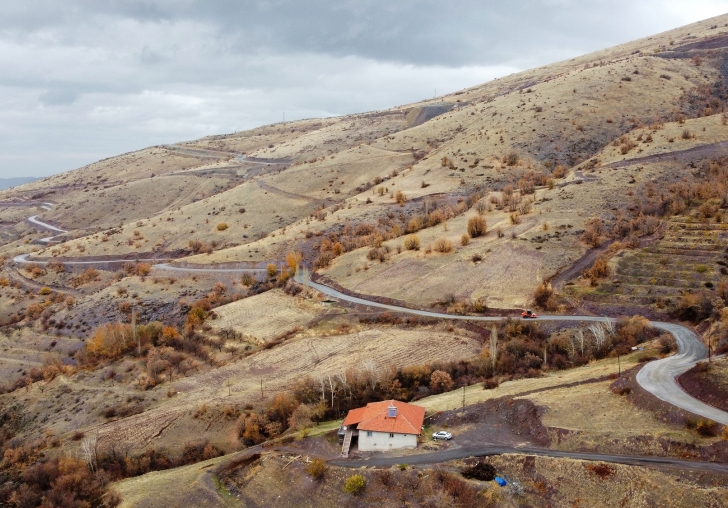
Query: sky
x=81 y=80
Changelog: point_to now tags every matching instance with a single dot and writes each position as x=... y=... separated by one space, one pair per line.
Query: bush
x=412 y=242
x=707 y=428
x=400 y=198
x=222 y=226
x=542 y=295
x=271 y=270
x=511 y=159
x=441 y=382
x=481 y=471
x=477 y=226
x=45 y=290
x=354 y=484
x=443 y=245
x=316 y=469
x=465 y=239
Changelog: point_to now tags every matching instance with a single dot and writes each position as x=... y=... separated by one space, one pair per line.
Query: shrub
x=271 y=270
x=465 y=239
x=400 y=198
x=559 y=172
x=602 y=470
x=354 y=484
x=599 y=270
x=686 y=134
x=412 y=242
x=477 y=226
x=542 y=295
x=247 y=279
x=707 y=428
x=45 y=290
x=481 y=471
x=316 y=469
x=222 y=226
x=443 y=245
x=511 y=158
x=441 y=381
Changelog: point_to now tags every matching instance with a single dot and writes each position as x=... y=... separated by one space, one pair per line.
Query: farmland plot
x=263 y=317
x=279 y=369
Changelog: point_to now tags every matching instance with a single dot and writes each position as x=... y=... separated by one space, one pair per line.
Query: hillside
x=148 y=306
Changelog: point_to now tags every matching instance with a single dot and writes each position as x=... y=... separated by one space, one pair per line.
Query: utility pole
x=619 y=366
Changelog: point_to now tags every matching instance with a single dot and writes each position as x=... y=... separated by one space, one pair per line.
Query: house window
x=369 y=433
x=391 y=434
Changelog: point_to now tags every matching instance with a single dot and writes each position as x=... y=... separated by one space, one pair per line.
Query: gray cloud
x=84 y=79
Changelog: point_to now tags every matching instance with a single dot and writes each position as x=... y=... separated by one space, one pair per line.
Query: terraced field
x=692 y=256
x=264 y=317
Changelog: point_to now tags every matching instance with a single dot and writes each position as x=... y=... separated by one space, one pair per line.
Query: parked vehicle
x=442 y=435
x=529 y=314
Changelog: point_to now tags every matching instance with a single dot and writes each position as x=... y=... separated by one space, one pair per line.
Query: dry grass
x=266 y=316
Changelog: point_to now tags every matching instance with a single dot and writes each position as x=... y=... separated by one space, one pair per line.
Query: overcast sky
x=81 y=80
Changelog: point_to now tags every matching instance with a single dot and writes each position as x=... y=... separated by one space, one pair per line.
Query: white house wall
x=380 y=441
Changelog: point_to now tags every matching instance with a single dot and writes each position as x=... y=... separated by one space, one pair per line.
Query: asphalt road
x=657 y=377
x=485 y=451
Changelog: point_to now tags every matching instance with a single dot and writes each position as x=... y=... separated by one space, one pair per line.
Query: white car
x=441 y=435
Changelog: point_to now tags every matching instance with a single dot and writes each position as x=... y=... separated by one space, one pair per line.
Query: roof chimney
x=392 y=412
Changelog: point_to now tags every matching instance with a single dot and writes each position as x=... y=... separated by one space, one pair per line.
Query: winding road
x=657 y=377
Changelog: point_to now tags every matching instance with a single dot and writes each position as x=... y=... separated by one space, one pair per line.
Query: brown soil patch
x=708 y=384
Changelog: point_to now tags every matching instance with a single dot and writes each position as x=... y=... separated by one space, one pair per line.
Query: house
x=387 y=425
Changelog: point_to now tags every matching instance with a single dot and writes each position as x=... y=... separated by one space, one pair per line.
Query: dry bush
x=465 y=239
x=515 y=218
x=599 y=270
x=247 y=279
x=543 y=295
x=441 y=382
x=477 y=226
x=271 y=269
x=400 y=198
x=443 y=245
x=412 y=242
x=602 y=470
x=222 y=226
x=594 y=233
x=110 y=341
x=511 y=158
x=559 y=172
x=686 y=134
x=354 y=484
x=316 y=469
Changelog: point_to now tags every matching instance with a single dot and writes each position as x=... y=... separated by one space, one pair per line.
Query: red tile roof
x=354 y=416
x=374 y=417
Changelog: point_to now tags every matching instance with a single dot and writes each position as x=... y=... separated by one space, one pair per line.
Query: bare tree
x=493 y=351
x=609 y=328
x=580 y=337
x=332 y=387
x=341 y=376
x=88 y=448
x=600 y=334
x=371 y=368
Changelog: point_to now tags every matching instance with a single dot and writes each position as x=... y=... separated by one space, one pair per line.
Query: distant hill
x=6 y=183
